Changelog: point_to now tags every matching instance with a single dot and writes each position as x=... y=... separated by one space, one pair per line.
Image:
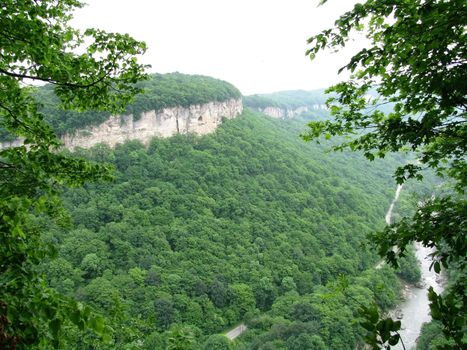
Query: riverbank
x=415 y=310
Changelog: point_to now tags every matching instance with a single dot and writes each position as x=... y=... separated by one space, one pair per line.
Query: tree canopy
x=416 y=60
x=241 y=225
x=157 y=92
x=94 y=69
x=291 y=99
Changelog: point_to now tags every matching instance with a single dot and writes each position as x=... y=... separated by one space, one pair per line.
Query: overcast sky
x=257 y=45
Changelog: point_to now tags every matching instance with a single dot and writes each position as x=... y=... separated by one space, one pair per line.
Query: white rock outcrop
x=197 y=119
x=276 y=112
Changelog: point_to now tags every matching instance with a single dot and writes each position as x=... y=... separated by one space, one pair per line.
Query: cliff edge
x=198 y=119
x=170 y=104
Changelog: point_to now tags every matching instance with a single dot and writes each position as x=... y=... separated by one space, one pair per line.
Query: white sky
x=257 y=45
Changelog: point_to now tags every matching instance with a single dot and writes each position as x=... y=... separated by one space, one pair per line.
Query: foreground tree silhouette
x=37 y=44
x=416 y=61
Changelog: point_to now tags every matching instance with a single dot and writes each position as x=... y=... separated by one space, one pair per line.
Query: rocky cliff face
x=276 y=112
x=198 y=119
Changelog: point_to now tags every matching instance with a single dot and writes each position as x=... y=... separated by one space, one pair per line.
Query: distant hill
x=291 y=99
x=312 y=104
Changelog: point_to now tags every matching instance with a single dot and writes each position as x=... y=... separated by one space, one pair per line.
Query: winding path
x=234 y=333
x=388 y=216
x=388 y=219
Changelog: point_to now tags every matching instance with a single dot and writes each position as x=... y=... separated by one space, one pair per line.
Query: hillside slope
x=289 y=104
x=170 y=104
x=248 y=223
x=160 y=91
x=291 y=99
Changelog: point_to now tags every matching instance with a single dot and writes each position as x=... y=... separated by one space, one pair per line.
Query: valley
x=245 y=224
x=220 y=176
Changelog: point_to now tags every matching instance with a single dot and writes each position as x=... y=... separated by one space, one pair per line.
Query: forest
x=198 y=234
x=158 y=91
x=286 y=99
x=172 y=244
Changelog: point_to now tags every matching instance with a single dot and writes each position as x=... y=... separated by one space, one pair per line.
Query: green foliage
x=159 y=91
x=381 y=332
x=181 y=338
x=63 y=120
x=306 y=342
x=416 y=61
x=204 y=231
x=180 y=90
x=409 y=268
x=285 y=99
x=38 y=44
x=217 y=342
x=432 y=337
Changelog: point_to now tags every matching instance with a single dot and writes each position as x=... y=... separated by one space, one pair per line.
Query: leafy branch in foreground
x=380 y=331
x=416 y=62
x=38 y=44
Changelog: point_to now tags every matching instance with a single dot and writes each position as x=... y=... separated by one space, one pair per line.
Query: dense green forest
x=249 y=224
x=286 y=99
x=245 y=226
x=159 y=91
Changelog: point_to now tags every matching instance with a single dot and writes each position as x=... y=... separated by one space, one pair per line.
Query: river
x=415 y=309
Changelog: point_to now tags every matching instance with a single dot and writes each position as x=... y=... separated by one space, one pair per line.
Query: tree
x=181 y=338
x=243 y=299
x=38 y=44
x=217 y=342
x=165 y=313
x=415 y=63
x=306 y=342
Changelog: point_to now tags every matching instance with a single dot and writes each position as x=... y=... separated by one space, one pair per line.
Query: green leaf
x=437 y=267
x=393 y=340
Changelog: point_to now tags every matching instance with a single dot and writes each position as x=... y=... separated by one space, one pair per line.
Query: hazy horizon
x=257 y=46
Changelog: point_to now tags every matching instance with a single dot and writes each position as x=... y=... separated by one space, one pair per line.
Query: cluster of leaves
x=38 y=44
x=197 y=234
x=287 y=100
x=381 y=331
x=416 y=61
x=63 y=120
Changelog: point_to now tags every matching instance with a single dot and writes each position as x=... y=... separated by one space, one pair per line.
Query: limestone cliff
x=198 y=119
x=277 y=112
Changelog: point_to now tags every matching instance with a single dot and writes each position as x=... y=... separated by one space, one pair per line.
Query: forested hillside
x=197 y=234
x=159 y=91
x=177 y=243
x=286 y=99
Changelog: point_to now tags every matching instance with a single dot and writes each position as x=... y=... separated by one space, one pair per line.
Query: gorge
x=244 y=225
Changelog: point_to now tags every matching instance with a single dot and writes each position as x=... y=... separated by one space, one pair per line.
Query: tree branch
x=51 y=81
x=10 y=112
